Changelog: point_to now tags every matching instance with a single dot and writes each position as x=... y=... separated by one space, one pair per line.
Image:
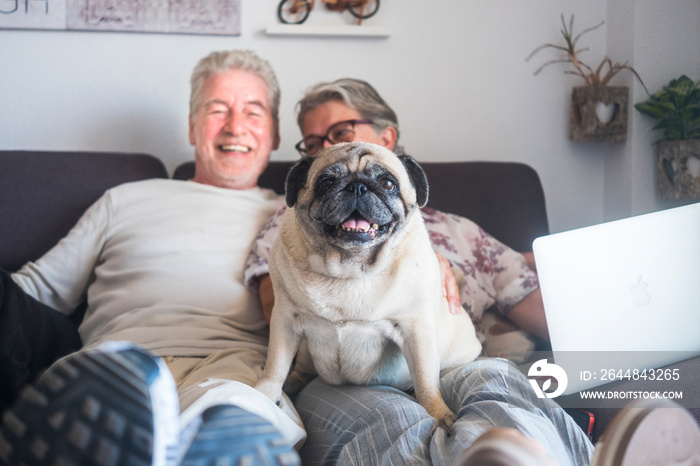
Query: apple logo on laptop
x=639 y=295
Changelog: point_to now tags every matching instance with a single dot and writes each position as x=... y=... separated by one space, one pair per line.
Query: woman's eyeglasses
x=343 y=131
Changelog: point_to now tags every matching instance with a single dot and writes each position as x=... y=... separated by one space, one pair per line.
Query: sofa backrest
x=505 y=198
x=43 y=194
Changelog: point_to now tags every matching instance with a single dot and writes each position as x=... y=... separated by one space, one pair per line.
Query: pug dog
x=356 y=278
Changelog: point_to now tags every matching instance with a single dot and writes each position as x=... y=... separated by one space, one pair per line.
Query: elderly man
x=162 y=264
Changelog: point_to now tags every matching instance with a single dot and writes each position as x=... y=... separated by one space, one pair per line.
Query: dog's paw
x=270 y=389
x=441 y=412
x=295 y=382
x=446 y=421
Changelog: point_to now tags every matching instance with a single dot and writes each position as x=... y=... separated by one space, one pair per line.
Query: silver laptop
x=622 y=296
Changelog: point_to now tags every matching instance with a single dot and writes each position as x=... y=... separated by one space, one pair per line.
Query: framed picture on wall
x=219 y=17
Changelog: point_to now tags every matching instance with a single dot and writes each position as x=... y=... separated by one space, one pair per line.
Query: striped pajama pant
x=354 y=425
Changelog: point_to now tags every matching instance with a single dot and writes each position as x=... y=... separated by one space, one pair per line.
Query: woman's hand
x=450 y=290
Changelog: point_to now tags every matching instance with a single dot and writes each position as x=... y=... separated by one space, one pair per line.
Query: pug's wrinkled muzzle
x=356 y=214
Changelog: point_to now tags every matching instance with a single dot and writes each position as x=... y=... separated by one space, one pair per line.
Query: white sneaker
x=650 y=433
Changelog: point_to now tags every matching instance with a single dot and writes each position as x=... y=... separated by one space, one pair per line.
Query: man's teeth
x=235 y=148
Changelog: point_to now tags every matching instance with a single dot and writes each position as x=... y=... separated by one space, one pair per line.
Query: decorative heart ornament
x=605 y=113
x=694 y=166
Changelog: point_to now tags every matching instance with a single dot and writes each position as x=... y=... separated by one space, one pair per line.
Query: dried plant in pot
x=677 y=109
x=598 y=111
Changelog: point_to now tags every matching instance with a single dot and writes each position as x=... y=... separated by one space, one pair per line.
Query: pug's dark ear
x=418 y=178
x=296 y=179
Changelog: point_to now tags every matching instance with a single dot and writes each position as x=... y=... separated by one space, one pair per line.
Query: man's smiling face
x=233 y=131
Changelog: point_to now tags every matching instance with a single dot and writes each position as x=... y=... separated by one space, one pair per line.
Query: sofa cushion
x=45 y=193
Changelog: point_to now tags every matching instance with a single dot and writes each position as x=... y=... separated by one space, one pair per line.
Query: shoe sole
x=90 y=408
x=231 y=435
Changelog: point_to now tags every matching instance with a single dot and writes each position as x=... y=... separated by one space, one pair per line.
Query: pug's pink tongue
x=353 y=224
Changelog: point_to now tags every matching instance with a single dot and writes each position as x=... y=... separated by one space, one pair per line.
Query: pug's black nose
x=357 y=187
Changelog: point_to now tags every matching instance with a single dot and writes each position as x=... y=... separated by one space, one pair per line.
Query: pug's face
x=355 y=195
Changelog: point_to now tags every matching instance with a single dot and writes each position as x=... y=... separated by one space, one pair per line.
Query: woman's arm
x=529 y=315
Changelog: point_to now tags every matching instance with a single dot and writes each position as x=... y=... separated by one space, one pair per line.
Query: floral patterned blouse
x=495 y=275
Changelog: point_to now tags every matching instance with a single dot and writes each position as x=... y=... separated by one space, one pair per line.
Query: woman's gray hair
x=244 y=60
x=356 y=94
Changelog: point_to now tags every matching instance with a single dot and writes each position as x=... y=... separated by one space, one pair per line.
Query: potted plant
x=677 y=109
x=598 y=111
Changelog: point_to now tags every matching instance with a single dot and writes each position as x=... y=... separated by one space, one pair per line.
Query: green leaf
x=682 y=81
x=652 y=110
x=666 y=105
x=663 y=124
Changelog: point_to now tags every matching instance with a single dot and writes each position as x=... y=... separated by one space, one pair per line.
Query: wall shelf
x=334 y=31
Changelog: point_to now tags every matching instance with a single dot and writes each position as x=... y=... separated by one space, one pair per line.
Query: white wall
x=662 y=40
x=454 y=72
